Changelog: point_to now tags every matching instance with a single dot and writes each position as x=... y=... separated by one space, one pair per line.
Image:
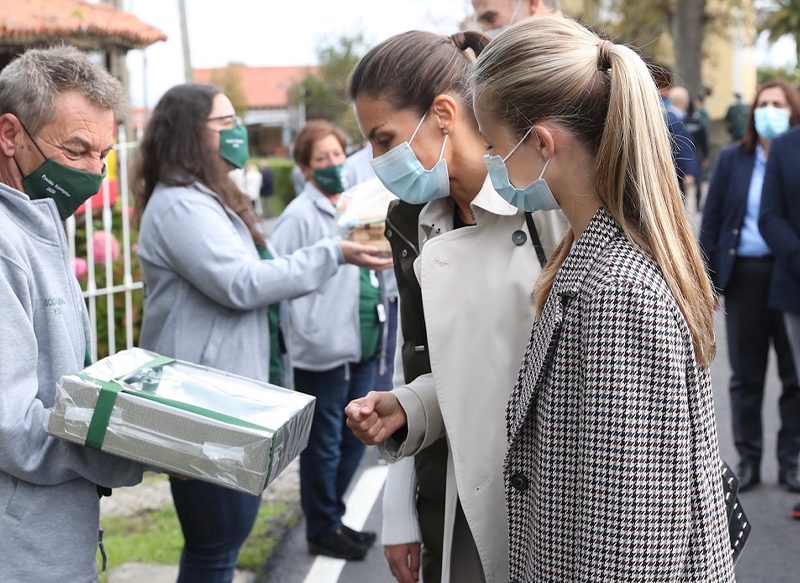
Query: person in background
x=736 y=117
x=298 y=179
x=267 y=189
x=252 y=185
x=682 y=106
x=698 y=125
x=210 y=279
x=702 y=111
x=679 y=101
x=613 y=470
x=466 y=261
x=57 y=116
x=358 y=169
x=740 y=264
x=334 y=338
x=779 y=223
x=494 y=16
x=682 y=147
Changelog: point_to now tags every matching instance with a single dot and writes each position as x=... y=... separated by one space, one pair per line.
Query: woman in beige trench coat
x=474 y=258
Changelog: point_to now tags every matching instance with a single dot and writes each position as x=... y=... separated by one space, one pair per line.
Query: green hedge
x=282 y=180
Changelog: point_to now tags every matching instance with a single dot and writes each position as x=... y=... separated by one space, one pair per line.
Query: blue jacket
x=682 y=147
x=779 y=221
x=724 y=211
x=323 y=327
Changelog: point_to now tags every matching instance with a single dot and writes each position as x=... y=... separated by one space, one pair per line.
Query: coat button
x=404 y=253
x=732 y=251
x=388 y=233
x=736 y=231
x=519 y=238
x=519 y=482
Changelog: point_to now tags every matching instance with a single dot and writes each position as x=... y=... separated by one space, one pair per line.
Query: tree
x=229 y=81
x=647 y=24
x=324 y=95
x=783 y=19
x=688 y=32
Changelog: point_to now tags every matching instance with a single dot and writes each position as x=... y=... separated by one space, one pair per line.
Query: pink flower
x=80 y=267
x=99 y=240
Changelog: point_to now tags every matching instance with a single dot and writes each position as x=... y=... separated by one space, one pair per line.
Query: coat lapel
x=543 y=340
x=544 y=337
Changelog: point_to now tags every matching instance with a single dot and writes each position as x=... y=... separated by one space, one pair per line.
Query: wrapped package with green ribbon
x=184 y=418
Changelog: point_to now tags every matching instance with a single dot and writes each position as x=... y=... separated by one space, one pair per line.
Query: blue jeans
x=215 y=522
x=384 y=381
x=329 y=462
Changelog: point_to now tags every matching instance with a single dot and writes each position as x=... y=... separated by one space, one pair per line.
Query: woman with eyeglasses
x=211 y=278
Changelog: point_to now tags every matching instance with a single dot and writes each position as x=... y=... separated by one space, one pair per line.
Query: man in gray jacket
x=57 y=113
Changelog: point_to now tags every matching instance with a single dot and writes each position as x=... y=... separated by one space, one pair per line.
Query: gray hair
x=31 y=84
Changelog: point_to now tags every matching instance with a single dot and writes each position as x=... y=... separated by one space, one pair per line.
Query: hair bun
x=470 y=42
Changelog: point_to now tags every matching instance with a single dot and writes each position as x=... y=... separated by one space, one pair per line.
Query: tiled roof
x=31 y=22
x=264 y=87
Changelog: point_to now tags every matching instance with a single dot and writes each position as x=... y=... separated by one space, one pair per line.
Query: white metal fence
x=108 y=261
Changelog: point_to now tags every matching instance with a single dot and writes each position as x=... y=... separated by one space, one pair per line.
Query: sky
x=269 y=32
x=289 y=32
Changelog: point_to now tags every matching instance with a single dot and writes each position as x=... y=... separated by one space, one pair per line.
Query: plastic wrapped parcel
x=184 y=418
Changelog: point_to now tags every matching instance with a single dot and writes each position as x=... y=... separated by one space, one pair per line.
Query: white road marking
x=364 y=494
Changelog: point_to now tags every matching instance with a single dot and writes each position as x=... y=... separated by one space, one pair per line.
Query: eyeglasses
x=228 y=121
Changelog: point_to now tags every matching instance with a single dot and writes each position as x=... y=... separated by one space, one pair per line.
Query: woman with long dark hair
x=741 y=265
x=210 y=278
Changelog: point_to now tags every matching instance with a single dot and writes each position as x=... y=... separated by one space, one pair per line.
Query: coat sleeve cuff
x=424 y=420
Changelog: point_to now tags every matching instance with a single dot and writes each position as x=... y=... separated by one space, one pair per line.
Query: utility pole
x=118 y=67
x=187 y=59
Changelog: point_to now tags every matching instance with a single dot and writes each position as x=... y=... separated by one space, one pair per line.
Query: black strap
x=537 y=242
x=102 y=548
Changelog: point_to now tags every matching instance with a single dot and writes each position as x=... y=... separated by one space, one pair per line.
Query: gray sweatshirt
x=324 y=327
x=206 y=290
x=49 y=509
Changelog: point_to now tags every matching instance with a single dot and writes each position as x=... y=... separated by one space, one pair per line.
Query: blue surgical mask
x=534 y=197
x=401 y=173
x=771 y=121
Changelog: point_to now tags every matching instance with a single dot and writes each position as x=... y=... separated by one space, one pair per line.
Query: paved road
x=291 y=562
x=771 y=555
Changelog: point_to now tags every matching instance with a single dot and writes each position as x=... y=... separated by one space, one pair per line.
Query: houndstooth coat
x=613 y=468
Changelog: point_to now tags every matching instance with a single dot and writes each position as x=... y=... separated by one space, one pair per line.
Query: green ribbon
x=107 y=397
x=102 y=410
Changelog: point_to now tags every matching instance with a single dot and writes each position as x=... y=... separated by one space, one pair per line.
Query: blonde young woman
x=466 y=263
x=613 y=468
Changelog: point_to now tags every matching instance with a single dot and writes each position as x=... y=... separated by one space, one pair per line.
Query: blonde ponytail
x=637 y=183
x=551 y=68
